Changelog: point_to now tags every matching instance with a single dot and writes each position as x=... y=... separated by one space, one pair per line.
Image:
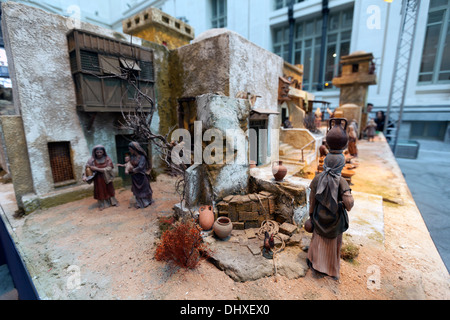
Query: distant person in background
x=379 y=120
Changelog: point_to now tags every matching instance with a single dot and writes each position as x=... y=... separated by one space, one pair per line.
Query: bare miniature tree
x=139 y=121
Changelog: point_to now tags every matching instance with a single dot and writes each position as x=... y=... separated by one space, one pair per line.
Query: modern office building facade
x=299 y=37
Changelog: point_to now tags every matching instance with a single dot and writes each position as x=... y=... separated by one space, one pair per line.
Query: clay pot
x=206 y=217
x=88 y=172
x=337 y=137
x=323 y=150
x=252 y=164
x=279 y=171
x=223 y=227
x=309 y=227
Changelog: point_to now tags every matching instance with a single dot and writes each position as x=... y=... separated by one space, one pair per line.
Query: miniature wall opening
x=258 y=137
x=60 y=161
x=187 y=115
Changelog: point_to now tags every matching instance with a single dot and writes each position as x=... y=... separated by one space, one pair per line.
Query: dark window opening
x=60 y=161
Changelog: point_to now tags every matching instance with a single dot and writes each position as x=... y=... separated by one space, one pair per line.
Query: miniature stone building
x=357 y=74
x=156 y=26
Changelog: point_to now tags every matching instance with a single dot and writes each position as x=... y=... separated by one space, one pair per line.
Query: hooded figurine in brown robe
x=330 y=198
x=140 y=183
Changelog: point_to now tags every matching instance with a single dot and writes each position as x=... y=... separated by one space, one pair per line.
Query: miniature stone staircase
x=290 y=155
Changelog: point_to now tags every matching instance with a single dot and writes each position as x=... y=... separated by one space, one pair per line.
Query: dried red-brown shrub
x=182 y=245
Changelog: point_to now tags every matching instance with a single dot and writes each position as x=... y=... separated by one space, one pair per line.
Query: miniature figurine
x=140 y=183
x=103 y=175
x=370 y=130
x=330 y=197
x=269 y=244
x=318 y=118
x=352 y=138
x=128 y=166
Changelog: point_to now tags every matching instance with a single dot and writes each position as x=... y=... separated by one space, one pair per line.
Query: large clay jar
x=223 y=227
x=206 y=217
x=337 y=137
x=279 y=171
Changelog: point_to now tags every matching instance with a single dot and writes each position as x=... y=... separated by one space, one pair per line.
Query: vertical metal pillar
x=402 y=63
x=291 y=30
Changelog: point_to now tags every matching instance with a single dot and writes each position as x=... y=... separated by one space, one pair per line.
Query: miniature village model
x=100 y=114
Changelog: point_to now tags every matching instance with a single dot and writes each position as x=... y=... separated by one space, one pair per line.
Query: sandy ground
x=73 y=251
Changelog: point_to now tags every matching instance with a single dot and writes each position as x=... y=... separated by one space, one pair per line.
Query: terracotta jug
x=223 y=227
x=337 y=137
x=279 y=171
x=206 y=217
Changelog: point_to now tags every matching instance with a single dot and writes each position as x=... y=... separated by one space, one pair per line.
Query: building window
x=281 y=42
x=435 y=64
x=433 y=130
x=307 y=44
x=284 y=3
x=60 y=161
x=219 y=14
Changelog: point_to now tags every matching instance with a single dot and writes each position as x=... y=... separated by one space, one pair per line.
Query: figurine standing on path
x=140 y=182
x=330 y=198
x=101 y=165
x=370 y=129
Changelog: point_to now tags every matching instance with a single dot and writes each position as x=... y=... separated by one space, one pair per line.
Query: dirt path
x=112 y=252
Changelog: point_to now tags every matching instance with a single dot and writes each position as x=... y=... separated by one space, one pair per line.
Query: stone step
x=285 y=149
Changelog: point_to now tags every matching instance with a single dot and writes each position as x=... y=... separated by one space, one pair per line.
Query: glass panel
x=346 y=35
x=435 y=17
x=347 y=19
x=417 y=128
x=316 y=62
x=330 y=62
x=425 y=77
x=332 y=38
x=345 y=49
x=277 y=50
x=221 y=7
x=438 y=3
x=298 y=57
x=286 y=34
x=434 y=129
x=278 y=35
x=278 y=4
x=307 y=60
x=299 y=30
x=445 y=63
x=286 y=53
x=318 y=27
x=333 y=22
x=444 y=76
x=430 y=48
x=309 y=28
x=214 y=9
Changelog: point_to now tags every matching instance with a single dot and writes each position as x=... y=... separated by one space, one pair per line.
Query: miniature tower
x=358 y=72
x=156 y=26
